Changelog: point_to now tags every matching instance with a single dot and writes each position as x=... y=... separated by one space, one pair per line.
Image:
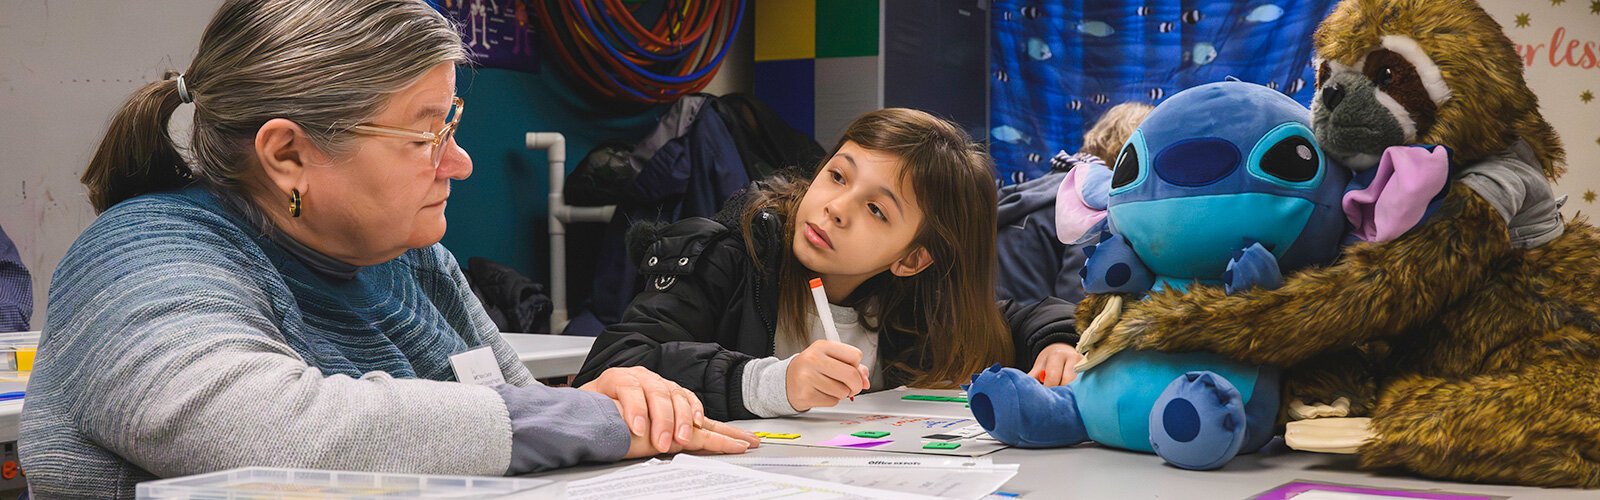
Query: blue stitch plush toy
x=1222 y=184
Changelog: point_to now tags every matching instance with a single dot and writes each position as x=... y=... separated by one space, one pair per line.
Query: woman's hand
x=662 y=414
x=1056 y=364
x=710 y=436
x=823 y=374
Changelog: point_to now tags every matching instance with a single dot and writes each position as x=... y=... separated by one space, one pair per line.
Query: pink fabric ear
x=1074 y=215
x=1408 y=178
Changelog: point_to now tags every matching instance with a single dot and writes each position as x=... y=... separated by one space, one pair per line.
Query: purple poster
x=498 y=33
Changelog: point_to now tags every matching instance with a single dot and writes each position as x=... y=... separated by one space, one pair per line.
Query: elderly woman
x=281 y=299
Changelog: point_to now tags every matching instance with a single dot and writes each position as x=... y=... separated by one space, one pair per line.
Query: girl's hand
x=823 y=374
x=658 y=410
x=715 y=437
x=1056 y=364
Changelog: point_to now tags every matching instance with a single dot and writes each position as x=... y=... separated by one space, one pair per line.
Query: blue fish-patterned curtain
x=1058 y=65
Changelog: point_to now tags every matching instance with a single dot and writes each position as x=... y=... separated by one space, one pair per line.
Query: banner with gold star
x=1560 y=46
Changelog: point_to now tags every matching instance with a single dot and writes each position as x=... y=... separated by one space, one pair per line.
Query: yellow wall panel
x=785 y=29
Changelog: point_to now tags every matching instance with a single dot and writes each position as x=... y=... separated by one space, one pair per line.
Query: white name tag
x=478 y=367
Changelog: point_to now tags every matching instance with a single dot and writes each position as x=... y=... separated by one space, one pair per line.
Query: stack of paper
x=946 y=477
x=688 y=476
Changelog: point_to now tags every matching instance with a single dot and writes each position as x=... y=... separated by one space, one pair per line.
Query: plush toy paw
x=1299 y=410
x=1018 y=410
x=1198 y=423
x=1098 y=348
x=1341 y=436
x=1112 y=267
x=1253 y=267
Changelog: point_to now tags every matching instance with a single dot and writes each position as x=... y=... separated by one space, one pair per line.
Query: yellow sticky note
x=772 y=435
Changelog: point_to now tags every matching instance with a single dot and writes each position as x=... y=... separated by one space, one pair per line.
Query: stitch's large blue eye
x=1127 y=168
x=1292 y=159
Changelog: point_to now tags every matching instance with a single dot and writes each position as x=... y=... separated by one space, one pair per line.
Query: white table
x=1090 y=471
x=550 y=355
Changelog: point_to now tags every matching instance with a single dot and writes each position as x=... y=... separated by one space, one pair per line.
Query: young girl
x=898 y=224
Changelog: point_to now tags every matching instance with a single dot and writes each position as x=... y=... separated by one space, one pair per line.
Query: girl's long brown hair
x=949 y=307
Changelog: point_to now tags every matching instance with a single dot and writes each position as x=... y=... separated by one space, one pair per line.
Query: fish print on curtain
x=1056 y=66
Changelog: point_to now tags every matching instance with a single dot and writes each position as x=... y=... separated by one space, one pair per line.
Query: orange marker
x=821 y=297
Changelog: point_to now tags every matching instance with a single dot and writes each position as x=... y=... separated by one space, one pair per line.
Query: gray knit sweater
x=180 y=341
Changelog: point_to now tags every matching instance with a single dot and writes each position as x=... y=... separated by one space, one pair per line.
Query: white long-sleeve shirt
x=765 y=380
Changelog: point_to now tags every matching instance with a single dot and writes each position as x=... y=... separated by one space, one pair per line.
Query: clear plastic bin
x=17 y=351
x=277 y=483
x=17 y=358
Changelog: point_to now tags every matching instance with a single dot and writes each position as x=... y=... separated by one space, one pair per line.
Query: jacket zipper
x=772 y=334
x=761 y=311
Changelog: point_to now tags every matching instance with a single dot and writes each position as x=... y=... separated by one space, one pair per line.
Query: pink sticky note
x=848 y=441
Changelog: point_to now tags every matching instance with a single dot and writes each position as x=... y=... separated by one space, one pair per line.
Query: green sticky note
x=941 y=445
x=870 y=434
x=930 y=397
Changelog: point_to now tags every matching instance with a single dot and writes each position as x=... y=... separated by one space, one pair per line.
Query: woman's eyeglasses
x=439 y=139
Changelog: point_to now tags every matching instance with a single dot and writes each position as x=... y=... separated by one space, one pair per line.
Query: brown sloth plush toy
x=1472 y=340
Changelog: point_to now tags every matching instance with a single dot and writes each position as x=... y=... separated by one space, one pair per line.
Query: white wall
x=1559 y=76
x=737 y=73
x=65 y=67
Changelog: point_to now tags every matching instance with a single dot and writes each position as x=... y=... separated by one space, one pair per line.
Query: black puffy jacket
x=706 y=310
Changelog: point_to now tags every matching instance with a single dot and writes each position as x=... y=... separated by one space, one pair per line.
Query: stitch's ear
x=1081 y=203
x=1407 y=180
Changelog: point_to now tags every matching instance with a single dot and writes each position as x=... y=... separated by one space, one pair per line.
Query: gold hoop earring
x=294 y=203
